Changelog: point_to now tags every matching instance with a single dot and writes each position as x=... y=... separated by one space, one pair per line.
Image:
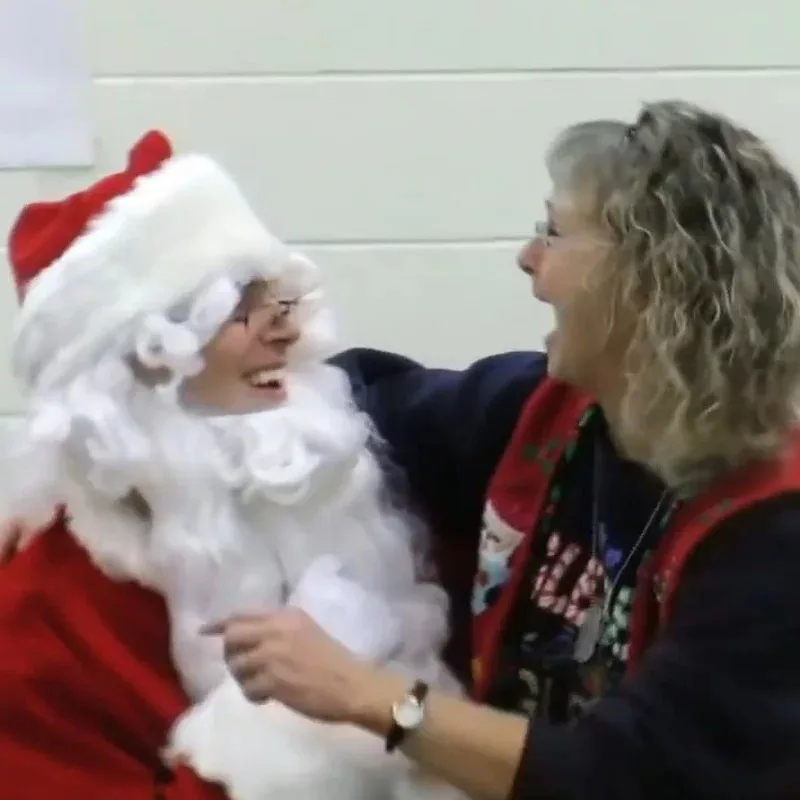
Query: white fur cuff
x=361 y=620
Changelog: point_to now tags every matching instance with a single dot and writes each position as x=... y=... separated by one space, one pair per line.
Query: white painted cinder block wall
x=400 y=141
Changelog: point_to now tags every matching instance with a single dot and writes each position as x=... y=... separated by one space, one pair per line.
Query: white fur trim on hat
x=151 y=248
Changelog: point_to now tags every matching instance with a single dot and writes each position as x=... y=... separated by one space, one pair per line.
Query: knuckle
x=256 y=691
x=250 y=693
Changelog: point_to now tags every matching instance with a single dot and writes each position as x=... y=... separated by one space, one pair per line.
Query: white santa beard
x=240 y=506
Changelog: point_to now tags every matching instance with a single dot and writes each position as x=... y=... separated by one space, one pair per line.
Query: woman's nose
x=530 y=256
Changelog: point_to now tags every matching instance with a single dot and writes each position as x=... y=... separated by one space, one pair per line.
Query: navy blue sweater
x=714 y=711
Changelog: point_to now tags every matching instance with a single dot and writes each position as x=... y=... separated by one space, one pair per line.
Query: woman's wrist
x=375 y=693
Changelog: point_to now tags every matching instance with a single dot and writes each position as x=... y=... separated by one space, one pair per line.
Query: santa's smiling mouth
x=271 y=380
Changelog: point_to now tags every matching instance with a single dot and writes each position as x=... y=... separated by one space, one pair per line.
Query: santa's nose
x=283 y=331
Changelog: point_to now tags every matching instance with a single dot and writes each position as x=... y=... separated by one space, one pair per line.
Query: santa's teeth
x=265 y=379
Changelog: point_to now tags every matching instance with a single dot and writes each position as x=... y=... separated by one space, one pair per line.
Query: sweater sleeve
x=715 y=708
x=445 y=430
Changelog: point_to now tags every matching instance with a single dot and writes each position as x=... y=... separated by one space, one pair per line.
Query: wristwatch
x=407 y=715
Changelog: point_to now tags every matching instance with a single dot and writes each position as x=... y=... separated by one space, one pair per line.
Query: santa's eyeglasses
x=277 y=310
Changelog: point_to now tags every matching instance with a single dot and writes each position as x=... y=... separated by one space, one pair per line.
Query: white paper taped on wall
x=44 y=84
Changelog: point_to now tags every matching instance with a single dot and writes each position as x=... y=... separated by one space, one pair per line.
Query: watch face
x=408 y=714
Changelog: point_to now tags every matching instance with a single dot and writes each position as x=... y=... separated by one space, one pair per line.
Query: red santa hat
x=134 y=243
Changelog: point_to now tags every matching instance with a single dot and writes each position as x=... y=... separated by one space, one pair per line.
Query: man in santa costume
x=206 y=461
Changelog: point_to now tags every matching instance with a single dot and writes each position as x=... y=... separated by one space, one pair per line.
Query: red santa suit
x=88 y=691
x=172 y=519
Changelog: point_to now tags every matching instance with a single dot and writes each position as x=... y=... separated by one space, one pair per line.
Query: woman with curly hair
x=635 y=629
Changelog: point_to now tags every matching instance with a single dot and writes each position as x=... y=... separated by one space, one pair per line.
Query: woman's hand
x=287 y=657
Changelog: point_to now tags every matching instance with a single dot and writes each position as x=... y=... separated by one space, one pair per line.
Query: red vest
x=517 y=498
x=88 y=692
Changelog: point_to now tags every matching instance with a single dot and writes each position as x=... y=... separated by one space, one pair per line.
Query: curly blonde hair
x=705 y=272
